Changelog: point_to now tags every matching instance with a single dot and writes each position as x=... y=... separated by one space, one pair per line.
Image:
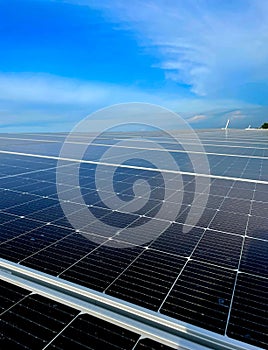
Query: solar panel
x=207 y=271
x=30 y=320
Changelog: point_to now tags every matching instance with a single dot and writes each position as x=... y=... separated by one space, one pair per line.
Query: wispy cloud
x=49 y=90
x=45 y=88
x=197 y=118
x=237 y=115
x=216 y=47
x=47 y=102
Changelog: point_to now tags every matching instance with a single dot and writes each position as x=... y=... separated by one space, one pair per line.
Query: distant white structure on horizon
x=226 y=126
x=250 y=128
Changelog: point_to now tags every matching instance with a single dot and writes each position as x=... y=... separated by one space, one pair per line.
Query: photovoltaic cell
x=100 y=268
x=18 y=226
x=174 y=241
x=147 y=235
x=248 y=320
x=204 y=221
x=4 y=217
x=255 y=257
x=229 y=222
x=148 y=279
x=58 y=257
x=241 y=193
x=33 y=322
x=219 y=249
x=260 y=209
x=29 y=243
x=10 y=295
x=257 y=228
x=88 y=332
x=28 y=208
x=235 y=205
x=201 y=296
x=11 y=198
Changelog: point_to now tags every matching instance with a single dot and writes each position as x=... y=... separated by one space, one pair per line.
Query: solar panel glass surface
x=214 y=276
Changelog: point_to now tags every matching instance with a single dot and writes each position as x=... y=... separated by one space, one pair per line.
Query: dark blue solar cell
x=243 y=185
x=88 y=332
x=196 y=216
x=40 y=188
x=258 y=227
x=99 y=213
x=259 y=209
x=49 y=214
x=201 y=296
x=32 y=206
x=248 y=319
x=229 y=222
x=213 y=202
x=99 y=269
x=219 y=190
x=120 y=220
x=16 y=228
x=148 y=280
x=11 y=198
x=29 y=243
x=174 y=241
x=10 y=295
x=144 y=234
x=61 y=255
x=5 y=217
x=254 y=257
x=235 y=205
x=219 y=249
x=91 y=198
x=34 y=322
x=241 y=193
x=261 y=196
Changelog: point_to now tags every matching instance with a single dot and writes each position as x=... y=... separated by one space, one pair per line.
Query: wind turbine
x=226 y=126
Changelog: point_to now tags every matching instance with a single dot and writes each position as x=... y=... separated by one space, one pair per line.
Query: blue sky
x=62 y=60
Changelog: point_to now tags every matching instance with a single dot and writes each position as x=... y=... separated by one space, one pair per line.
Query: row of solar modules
x=22 y=239
x=20 y=144
x=201 y=295
x=232 y=137
x=146 y=276
x=221 y=165
x=32 y=321
x=227 y=197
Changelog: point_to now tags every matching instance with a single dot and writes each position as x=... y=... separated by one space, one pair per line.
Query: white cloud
x=49 y=102
x=216 y=47
x=197 y=118
x=237 y=115
x=50 y=90
x=45 y=88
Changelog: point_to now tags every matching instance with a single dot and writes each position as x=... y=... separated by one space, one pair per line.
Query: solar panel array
x=213 y=277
